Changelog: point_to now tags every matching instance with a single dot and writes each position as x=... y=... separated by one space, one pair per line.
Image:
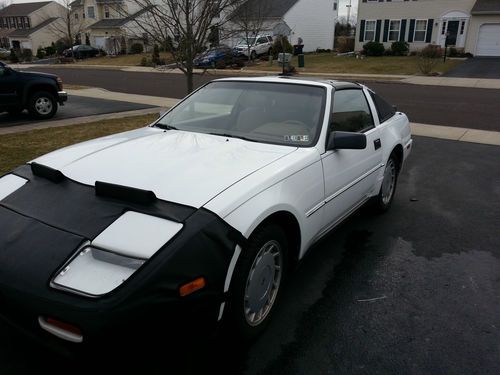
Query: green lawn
x=18 y=148
x=329 y=63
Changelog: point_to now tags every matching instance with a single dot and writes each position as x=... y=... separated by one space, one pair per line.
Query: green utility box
x=301 y=61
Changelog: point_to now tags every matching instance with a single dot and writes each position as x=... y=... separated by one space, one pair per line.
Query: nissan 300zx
x=202 y=212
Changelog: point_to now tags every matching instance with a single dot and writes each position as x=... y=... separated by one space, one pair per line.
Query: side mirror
x=346 y=141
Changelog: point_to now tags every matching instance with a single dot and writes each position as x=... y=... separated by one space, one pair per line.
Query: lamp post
x=348 y=6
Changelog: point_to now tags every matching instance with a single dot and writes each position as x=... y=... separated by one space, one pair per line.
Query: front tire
x=42 y=105
x=253 y=55
x=383 y=200
x=258 y=278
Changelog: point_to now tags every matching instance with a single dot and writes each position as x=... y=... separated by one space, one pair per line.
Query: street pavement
x=412 y=291
x=437 y=105
x=76 y=106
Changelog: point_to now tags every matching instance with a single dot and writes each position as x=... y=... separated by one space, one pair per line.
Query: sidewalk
x=415 y=80
x=425 y=130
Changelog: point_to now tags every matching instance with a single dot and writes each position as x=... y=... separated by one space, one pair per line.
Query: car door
x=8 y=86
x=261 y=46
x=350 y=175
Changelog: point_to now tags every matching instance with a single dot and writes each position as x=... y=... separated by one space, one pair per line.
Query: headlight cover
x=9 y=184
x=114 y=255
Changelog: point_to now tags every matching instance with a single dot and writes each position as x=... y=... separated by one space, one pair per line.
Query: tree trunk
x=189 y=79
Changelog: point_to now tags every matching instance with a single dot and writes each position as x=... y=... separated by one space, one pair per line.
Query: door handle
x=377 y=143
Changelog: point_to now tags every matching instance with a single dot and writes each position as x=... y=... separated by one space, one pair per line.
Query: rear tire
x=42 y=105
x=253 y=55
x=257 y=282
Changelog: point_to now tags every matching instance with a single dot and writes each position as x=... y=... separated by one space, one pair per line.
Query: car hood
x=182 y=167
x=37 y=74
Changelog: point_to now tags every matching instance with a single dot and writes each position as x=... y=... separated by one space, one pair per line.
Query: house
x=470 y=25
x=311 y=20
x=31 y=25
x=109 y=24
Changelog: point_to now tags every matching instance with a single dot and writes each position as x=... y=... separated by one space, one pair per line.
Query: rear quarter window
x=384 y=110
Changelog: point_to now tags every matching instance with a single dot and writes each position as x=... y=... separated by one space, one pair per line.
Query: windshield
x=249 y=41
x=279 y=113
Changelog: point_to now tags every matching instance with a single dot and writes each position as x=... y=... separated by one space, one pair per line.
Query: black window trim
x=380 y=119
x=365 y=130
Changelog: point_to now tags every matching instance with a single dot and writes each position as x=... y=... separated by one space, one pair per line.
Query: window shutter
x=362 y=31
x=380 y=1
x=411 y=31
x=377 y=30
x=430 y=25
x=386 y=30
x=364 y=1
x=403 y=31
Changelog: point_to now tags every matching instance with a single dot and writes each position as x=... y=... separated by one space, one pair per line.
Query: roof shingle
x=22 y=9
x=486 y=7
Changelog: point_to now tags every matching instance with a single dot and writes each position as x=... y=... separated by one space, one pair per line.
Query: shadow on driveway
x=76 y=106
x=477 y=67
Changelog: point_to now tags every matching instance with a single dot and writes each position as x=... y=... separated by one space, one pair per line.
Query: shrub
x=136 y=48
x=50 y=50
x=429 y=57
x=40 y=53
x=344 y=44
x=13 y=56
x=102 y=52
x=452 y=52
x=400 y=48
x=388 y=52
x=155 y=57
x=373 y=49
x=27 y=55
x=280 y=45
x=432 y=51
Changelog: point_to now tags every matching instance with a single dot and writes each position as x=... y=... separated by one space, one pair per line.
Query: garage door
x=489 y=40
x=100 y=42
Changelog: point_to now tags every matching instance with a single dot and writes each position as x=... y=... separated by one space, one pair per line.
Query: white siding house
x=312 y=20
x=470 y=25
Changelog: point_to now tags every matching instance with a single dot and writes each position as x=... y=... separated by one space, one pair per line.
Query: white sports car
x=200 y=214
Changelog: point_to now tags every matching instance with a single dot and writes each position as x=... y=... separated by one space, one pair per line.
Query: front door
x=452 y=32
x=350 y=175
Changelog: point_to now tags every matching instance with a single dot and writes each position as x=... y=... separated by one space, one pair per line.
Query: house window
x=420 y=31
x=19 y=22
x=27 y=22
x=91 y=12
x=106 y=11
x=462 y=28
x=394 y=28
x=443 y=30
x=370 y=30
x=335 y=6
x=76 y=16
x=83 y=15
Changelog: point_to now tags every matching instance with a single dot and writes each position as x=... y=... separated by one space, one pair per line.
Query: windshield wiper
x=166 y=127
x=234 y=136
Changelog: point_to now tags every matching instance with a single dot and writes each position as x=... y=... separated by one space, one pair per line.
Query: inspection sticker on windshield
x=296 y=138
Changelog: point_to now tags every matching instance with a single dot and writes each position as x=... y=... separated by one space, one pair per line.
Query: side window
x=261 y=40
x=351 y=112
x=384 y=110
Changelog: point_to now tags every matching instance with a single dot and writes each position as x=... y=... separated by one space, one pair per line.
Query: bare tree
x=248 y=19
x=184 y=27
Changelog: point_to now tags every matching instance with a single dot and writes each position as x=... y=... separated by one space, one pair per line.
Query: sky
x=342 y=6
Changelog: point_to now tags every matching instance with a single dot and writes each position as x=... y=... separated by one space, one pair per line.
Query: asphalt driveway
x=76 y=106
x=413 y=291
x=477 y=67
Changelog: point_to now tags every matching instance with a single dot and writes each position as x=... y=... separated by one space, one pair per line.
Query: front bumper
x=62 y=97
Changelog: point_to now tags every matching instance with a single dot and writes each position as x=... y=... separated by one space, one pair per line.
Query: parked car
x=199 y=216
x=217 y=57
x=258 y=45
x=39 y=93
x=81 y=51
x=4 y=53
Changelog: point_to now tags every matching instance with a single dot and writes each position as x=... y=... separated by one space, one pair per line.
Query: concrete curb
x=99 y=93
x=78 y=120
x=456 y=134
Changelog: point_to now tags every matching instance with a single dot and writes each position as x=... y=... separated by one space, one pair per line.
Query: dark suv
x=39 y=93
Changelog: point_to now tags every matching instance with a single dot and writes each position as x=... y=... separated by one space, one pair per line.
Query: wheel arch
x=398 y=151
x=36 y=87
x=288 y=221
